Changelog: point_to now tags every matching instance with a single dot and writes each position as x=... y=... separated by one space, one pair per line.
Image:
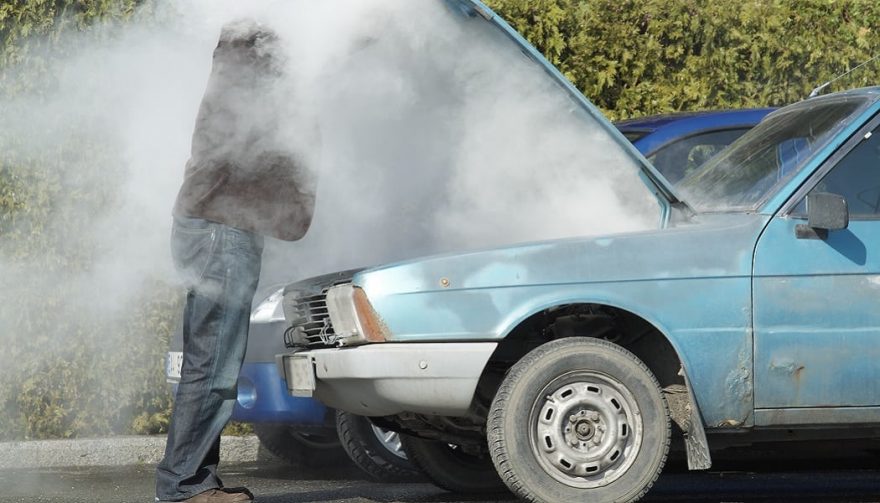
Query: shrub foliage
x=641 y=57
x=70 y=367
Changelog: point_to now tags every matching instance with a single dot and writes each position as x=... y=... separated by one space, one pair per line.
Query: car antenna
x=819 y=89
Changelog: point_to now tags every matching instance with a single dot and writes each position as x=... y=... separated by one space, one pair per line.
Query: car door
x=816 y=302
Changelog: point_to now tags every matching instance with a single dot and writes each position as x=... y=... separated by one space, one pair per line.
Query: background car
x=298 y=430
x=302 y=429
x=676 y=144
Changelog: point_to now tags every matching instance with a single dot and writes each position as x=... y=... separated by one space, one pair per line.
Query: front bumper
x=390 y=378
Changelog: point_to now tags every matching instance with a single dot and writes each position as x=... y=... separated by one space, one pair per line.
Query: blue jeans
x=220 y=267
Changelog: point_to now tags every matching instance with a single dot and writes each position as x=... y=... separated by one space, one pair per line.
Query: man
x=242 y=182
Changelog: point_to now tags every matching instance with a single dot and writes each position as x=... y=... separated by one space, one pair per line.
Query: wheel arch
x=639 y=333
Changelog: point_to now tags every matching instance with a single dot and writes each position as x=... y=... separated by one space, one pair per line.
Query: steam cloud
x=435 y=136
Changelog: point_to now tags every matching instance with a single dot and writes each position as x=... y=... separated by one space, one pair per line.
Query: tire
x=320 y=449
x=376 y=451
x=579 y=419
x=448 y=467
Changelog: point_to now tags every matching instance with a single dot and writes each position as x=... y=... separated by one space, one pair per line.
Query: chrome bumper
x=390 y=378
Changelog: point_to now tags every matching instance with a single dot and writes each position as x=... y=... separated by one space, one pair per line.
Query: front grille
x=311 y=325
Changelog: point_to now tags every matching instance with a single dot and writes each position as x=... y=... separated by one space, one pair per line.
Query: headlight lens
x=354 y=319
x=270 y=309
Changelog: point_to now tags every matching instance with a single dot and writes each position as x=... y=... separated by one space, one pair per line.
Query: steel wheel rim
x=585 y=429
x=390 y=440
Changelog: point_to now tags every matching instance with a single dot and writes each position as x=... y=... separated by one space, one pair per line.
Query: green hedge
x=643 y=57
x=71 y=366
x=630 y=57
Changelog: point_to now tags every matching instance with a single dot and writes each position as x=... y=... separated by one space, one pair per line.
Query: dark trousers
x=220 y=267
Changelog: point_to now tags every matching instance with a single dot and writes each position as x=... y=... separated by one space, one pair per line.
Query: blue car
x=557 y=368
x=677 y=144
x=744 y=310
x=298 y=429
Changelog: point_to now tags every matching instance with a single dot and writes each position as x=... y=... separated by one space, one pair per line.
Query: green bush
x=642 y=57
x=72 y=367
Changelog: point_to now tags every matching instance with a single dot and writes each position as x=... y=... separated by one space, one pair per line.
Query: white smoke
x=436 y=135
x=440 y=135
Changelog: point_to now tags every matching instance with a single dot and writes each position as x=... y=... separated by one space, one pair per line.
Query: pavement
x=122 y=470
x=112 y=451
x=277 y=483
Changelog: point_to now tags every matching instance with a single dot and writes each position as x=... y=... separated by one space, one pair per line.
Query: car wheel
x=317 y=449
x=376 y=451
x=449 y=467
x=579 y=419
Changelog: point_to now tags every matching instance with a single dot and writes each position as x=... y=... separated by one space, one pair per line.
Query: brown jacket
x=241 y=172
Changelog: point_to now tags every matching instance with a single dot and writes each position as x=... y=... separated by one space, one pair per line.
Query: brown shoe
x=239 y=490
x=222 y=496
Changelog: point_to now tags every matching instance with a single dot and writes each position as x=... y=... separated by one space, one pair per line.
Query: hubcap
x=390 y=440
x=585 y=429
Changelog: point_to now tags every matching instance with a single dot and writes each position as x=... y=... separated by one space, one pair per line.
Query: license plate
x=301 y=375
x=173 y=363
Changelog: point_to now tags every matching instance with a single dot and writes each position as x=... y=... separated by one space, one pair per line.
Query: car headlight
x=270 y=309
x=353 y=317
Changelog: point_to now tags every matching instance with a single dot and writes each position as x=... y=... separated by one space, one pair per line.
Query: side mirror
x=825 y=212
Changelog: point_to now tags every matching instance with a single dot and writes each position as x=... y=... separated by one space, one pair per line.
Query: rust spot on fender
x=729 y=423
x=787 y=366
x=738 y=386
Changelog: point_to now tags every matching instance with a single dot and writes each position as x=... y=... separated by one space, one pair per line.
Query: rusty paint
x=785 y=365
x=729 y=423
x=739 y=383
x=375 y=329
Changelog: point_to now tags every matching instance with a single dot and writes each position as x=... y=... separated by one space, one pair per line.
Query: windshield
x=759 y=163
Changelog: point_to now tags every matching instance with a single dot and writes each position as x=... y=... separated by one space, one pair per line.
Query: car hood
x=649 y=175
x=318 y=284
x=713 y=245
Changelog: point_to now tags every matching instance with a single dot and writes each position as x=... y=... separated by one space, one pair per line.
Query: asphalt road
x=828 y=480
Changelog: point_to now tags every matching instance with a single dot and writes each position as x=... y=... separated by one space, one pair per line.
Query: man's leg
x=220 y=266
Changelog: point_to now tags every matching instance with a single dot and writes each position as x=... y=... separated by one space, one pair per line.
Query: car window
x=680 y=158
x=760 y=162
x=857 y=178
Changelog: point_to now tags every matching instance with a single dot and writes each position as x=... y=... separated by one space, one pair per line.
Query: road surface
x=821 y=480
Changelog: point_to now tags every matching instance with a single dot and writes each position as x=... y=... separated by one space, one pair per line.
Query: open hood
x=475 y=9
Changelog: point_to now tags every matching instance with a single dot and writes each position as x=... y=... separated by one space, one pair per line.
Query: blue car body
x=262 y=392
x=263 y=396
x=749 y=308
x=650 y=134
x=677 y=144
x=771 y=328
x=766 y=300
